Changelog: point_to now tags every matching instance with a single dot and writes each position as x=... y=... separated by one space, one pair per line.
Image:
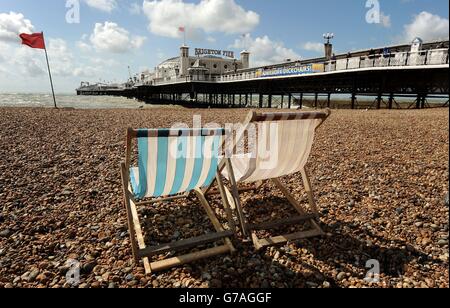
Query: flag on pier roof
x=182 y=29
x=35 y=40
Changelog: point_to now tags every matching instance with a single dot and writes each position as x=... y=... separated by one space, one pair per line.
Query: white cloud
x=166 y=16
x=12 y=24
x=83 y=46
x=135 y=9
x=29 y=62
x=110 y=37
x=103 y=5
x=2 y=51
x=385 y=20
x=264 y=51
x=428 y=27
x=61 y=58
x=313 y=46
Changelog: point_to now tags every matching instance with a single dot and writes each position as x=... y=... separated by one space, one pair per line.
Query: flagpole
x=49 y=72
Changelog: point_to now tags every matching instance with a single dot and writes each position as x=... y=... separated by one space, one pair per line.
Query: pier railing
x=430 y=57
x=400 y=59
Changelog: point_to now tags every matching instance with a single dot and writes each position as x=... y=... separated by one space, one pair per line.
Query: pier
x=418 y=75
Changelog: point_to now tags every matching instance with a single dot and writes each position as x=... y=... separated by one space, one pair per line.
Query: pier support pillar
x=379 y=99
x=329 y=100
x=353 y=100
x=290 y=101
x=301 y=101
x=316 y=100
x=270 y=101
x=246 y=100
x=391 y=101
x=418 y=101
x=261 y=100
x=423 y=101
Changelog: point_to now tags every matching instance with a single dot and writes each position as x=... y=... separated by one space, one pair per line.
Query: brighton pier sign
x=213 y=52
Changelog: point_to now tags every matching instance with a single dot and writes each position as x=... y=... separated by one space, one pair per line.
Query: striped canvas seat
x=282 y=148
x=175 y=161
x=174 y=164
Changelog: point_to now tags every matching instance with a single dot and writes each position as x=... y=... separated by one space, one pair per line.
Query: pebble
x=33 y=274
x=276 y=256
x=216 y=283
x=311 y=284
x=206 y=276
x=434 y=227
x=442 y=243
x=341 y=276
x=88 y=267
x=265 y=284
x=129 y=277
x=5 y=233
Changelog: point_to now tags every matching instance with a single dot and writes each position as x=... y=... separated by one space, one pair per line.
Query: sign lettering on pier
x=294 y=70
x=213 y=52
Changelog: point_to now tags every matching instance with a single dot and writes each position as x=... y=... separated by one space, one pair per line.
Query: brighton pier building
x=205 y=63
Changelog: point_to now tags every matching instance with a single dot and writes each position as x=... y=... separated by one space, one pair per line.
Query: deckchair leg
x=309 y=191
x=288 y=195
x=226 y=202
x=213 y=218
x=126 y=199
x=133 y=222
x=297 y=205
x=237 y=201
x=304 y=216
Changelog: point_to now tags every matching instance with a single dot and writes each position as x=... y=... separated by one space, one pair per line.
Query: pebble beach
x=380 y=179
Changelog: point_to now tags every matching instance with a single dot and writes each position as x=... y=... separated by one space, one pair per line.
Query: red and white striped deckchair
x=285 y=139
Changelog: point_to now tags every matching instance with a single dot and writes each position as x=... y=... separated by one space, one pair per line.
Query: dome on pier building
x=204 y=62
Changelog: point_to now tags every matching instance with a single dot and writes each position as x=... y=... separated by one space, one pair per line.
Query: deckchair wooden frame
x=142 y=252
x=249 y=230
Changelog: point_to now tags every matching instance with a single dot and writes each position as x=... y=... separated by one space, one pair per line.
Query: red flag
x=181 y=29
x=35 y=40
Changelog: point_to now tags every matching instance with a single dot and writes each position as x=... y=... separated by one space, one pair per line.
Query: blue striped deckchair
x=172 y=163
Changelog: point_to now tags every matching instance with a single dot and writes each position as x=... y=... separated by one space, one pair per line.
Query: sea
x=67 y=101
x=113 y=102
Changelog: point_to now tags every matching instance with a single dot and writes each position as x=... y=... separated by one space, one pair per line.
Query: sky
x=97 y=40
